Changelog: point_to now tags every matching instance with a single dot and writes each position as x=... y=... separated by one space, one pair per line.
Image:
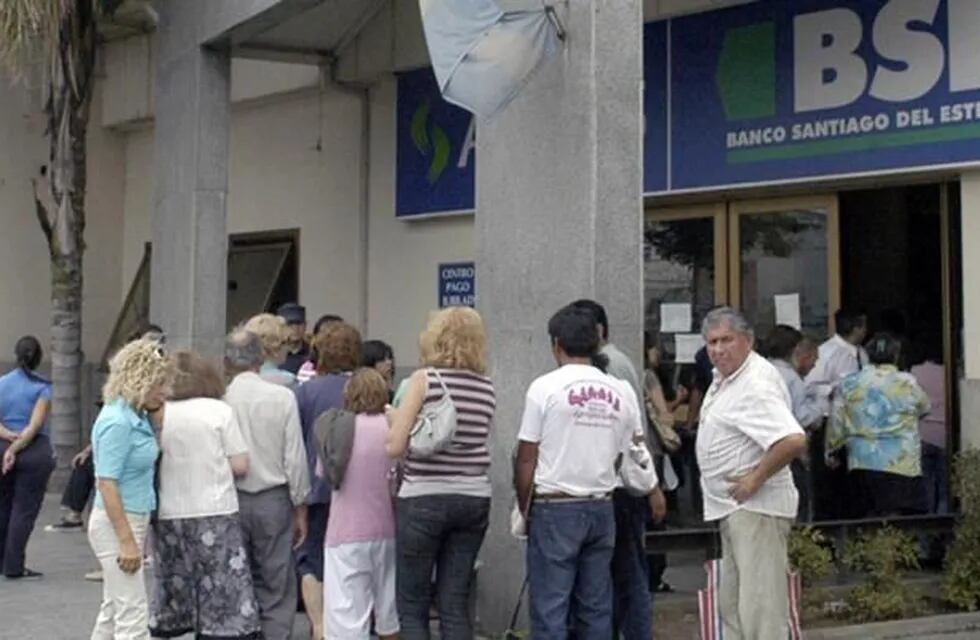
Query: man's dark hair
x=884 y=348
x=781 y=342
x=598 y=314
x=324 y=319
x=574 y=330
x=847 y=320
x=375 y=351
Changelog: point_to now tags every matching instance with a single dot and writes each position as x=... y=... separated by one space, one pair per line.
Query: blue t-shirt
x=124 y=449
x=19 y=392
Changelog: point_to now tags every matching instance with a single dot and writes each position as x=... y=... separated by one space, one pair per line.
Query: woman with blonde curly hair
x=275 y=336
x=203 y=580
x=443 y=504
x=338 y=349
x=125 y=450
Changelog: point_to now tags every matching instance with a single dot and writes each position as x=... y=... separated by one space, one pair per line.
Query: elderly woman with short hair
x=203 y=580
x=125 y=450
x=876 y=415
x=275 y=336
x=338 y=349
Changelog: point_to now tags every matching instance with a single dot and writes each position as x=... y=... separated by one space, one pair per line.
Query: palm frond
x=29 y=31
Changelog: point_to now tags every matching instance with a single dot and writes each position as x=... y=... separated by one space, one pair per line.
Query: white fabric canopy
x=483 y=55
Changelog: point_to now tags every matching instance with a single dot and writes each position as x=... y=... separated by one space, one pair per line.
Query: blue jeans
x=569 y=551
x=443 y=532
x=632 y=604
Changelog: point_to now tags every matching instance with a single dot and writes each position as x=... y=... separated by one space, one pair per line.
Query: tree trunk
x=61 y=213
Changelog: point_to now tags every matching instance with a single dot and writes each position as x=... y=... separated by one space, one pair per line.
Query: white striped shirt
x=462 y=468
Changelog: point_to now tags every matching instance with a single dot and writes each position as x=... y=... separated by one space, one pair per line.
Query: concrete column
x=559 y=217
x=189 y=280
x=970 y=385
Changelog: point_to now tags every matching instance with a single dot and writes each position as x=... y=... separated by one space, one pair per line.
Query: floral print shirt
x=876 y=415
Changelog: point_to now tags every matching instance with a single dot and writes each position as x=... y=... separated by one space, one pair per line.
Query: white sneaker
x=94 y=576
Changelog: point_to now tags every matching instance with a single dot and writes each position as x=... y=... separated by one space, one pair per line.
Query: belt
x=565 y=497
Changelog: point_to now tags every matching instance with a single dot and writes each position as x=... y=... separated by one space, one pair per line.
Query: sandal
x=26 y=574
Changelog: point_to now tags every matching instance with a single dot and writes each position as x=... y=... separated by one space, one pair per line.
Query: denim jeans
x=441 y=532
x=632 y=604
x=569 y=551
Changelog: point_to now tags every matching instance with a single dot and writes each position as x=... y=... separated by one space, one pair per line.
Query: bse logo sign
x=829 y=72
x=831 y=65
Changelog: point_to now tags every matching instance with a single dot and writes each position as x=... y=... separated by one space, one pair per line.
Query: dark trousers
x=569 y=552
x=21 y=494
x=79 y=488
x=631 y=593
x=441 y=532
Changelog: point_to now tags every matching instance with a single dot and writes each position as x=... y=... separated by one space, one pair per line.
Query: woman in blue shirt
x=28 y=459
x=125 y=450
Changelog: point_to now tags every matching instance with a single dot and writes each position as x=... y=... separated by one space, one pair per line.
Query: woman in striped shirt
x=443 y=504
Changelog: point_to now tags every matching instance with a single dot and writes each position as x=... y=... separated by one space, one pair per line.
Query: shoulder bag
x=435 y=425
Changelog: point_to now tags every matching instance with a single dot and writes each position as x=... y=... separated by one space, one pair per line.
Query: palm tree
x=63 y=37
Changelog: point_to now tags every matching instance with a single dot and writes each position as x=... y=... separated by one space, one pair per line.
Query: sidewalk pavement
x=62 y=605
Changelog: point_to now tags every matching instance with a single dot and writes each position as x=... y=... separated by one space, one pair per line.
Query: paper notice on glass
x=675 y=317
x=687 y=346
x=788 y=310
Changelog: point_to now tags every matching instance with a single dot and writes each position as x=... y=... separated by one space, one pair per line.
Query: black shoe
x=65 y=525
x=26 y=574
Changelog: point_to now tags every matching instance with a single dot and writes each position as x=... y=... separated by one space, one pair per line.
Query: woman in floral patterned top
x=876 y=415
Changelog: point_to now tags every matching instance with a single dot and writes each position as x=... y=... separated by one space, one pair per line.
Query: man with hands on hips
x=746 y=441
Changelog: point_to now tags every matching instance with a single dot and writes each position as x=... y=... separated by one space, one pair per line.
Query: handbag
x=435 y=425
x=709 y=609
x=667 y=435
x=637 y=470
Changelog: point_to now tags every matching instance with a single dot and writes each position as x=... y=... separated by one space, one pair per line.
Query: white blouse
x=197 y=438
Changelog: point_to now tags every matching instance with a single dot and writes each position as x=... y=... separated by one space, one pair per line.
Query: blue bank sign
x=776 y=91
x=457 y=284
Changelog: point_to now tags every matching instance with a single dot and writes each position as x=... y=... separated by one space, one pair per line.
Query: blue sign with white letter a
x=435 y=164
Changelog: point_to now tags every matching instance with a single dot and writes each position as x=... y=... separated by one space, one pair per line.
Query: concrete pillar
x=970 y=385
x=189 y=281
x=559 y=217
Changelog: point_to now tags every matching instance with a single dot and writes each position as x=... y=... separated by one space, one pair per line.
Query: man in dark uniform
x=299 y=351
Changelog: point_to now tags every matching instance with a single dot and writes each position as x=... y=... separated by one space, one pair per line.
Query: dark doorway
x=891 y=263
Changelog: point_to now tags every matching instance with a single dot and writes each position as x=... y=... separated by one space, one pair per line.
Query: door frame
x=728 y=263
x=718 y=212
x=827 y=202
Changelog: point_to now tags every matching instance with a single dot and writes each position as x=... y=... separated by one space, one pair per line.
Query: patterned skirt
x=202 y=580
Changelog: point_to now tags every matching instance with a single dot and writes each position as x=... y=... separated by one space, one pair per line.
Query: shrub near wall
x=961 y=582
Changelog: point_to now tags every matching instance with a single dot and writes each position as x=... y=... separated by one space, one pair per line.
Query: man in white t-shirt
x=632 y=605
x=577 y=421
x=746 y=441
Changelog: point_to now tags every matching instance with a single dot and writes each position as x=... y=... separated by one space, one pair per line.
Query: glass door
x=684 y=275
x=785 y=263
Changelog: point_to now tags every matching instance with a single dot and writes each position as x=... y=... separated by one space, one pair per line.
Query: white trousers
x=754 y=593
x=358 y=578
x=124 y=614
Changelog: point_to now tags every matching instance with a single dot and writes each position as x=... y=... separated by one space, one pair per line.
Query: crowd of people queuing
x=229 y=476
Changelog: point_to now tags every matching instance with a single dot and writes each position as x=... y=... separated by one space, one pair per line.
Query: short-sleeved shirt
x=198 y=437
x=582 y=420
x=742 y=416
x=876 y=414
x=124 y=449
x=361 y=509
x=19 y=393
